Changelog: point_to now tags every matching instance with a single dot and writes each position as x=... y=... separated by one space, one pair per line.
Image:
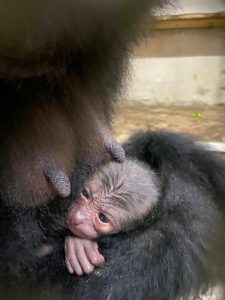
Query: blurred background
x=177 y=76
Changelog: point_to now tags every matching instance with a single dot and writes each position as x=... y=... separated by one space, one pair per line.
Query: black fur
x=177 y=252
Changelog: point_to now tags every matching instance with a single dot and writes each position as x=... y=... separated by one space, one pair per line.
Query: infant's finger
x=84 y=262
x=93 y=255
x=71 y=257
x=68 y=266
x=75 y=265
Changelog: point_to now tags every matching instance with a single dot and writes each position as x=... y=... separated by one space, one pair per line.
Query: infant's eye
x=102 y=217
x=85 y=193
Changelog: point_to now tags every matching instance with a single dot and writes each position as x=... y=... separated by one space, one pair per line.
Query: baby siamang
x=178 y=251
x=118 y=197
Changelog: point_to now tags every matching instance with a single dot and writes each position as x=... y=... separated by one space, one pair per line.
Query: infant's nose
x=79 y=216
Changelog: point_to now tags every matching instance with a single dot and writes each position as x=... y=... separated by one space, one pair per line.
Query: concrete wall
x=182 y=66
x=179 y=67
x=195 y=6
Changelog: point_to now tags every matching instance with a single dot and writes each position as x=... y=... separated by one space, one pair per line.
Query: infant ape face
x=94 y=215
x=115 y=198
x=87 y=220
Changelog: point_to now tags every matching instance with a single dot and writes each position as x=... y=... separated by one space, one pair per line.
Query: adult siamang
x=177 y=252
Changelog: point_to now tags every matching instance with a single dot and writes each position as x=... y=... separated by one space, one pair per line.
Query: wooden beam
x=187 y=21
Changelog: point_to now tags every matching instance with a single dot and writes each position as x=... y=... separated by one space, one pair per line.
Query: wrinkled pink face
x=93 y=215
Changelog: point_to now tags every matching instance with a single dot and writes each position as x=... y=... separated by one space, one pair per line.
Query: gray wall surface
x=181 y=66
x=197 y=6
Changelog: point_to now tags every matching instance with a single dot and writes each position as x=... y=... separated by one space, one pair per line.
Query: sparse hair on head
x=131 y=186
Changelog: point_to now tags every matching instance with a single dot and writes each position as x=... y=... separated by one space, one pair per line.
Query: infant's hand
x=82 y=256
